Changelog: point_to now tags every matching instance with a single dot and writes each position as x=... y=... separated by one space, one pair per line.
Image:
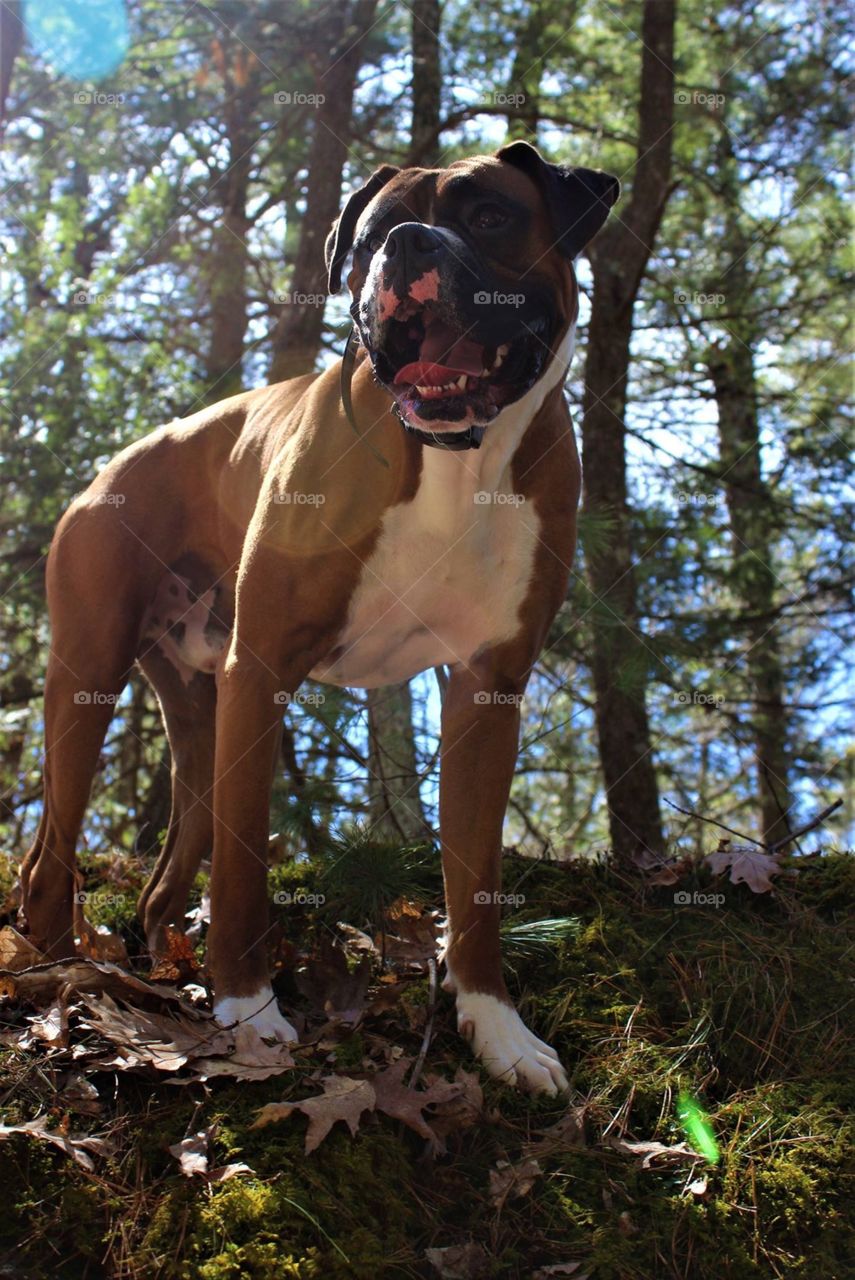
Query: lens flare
x=697 y=1127
x=84 y=39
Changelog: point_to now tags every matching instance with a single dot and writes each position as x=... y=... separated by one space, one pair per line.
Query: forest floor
x=143 y=1166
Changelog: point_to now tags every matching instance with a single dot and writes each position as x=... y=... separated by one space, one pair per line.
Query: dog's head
x=462 y=280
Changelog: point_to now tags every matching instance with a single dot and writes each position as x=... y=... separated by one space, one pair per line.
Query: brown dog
x=237 y=552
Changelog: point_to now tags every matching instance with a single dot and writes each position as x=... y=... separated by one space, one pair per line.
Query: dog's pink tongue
x=441 y=346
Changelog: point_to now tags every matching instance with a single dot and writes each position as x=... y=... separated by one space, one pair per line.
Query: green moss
x=747 y=1006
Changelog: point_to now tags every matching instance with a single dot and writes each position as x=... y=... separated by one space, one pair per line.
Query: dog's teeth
x=461 y=381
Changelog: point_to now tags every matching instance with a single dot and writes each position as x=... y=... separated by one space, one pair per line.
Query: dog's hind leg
x=94 y=625
x=188 y=703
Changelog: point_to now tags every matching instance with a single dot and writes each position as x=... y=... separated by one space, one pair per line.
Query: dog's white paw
x=507 y=1048
x=260 y=1011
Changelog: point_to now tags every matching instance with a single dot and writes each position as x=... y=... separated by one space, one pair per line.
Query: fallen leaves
x=78 y=1148
x=746 y=866
x=346 y=1099
x=192 y=1156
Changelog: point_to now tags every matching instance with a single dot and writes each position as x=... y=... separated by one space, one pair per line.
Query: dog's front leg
x=480 y=739
x=249 y=712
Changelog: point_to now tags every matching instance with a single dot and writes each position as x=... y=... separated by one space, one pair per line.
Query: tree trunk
x=229 y=257
x=619 y=657
x=730 y=361
x=427 y=83
x=535 y=39
x=394 y=802
x=298 y=332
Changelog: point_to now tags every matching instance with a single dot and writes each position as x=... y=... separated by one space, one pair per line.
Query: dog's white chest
x=447 y=577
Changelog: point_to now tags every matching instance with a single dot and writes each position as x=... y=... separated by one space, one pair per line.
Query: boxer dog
x=262 y=541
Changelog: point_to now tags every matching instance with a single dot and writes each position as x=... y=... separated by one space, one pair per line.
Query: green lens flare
x=697 y=1127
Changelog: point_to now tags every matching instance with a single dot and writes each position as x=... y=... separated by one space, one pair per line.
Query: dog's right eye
x=375 y=243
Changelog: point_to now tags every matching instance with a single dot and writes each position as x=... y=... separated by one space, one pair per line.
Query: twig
x=420 y=1060
x=809 y=826
x=770 y=848
x=690 y=813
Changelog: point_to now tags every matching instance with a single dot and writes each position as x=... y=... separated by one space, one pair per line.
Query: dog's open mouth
x=440 y=371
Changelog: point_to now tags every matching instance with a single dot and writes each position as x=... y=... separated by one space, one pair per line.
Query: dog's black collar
x=469 y=439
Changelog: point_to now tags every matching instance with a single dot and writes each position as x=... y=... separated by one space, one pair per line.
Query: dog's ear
x=340 y=239
x=579 y=200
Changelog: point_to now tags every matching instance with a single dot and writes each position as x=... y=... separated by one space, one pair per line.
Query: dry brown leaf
x=461 y=1111
x=142 y=1038
x=746 y=865
x=653 y=1151
x=76 y=1147
x=180 y=963
x=51 y=1028
x=458 y=1261
x=560 y=1269
x=567 y=1133
x=16 y=951
x=399 y=1101
x=342 y=1099
x=416 y=937
x=251 y=1058
x=512 y=1181
x=98 y=943
x=326 y=981
x=192 y=1156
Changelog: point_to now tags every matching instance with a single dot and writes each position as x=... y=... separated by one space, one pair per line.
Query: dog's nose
x=411 y=249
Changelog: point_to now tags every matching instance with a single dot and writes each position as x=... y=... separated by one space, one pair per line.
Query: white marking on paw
x=260 y=1011
x=507 y=1048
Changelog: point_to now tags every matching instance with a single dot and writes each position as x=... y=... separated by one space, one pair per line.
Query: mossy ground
x=746 y=1004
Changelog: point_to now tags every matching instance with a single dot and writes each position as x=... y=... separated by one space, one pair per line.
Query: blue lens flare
x=84 y=39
